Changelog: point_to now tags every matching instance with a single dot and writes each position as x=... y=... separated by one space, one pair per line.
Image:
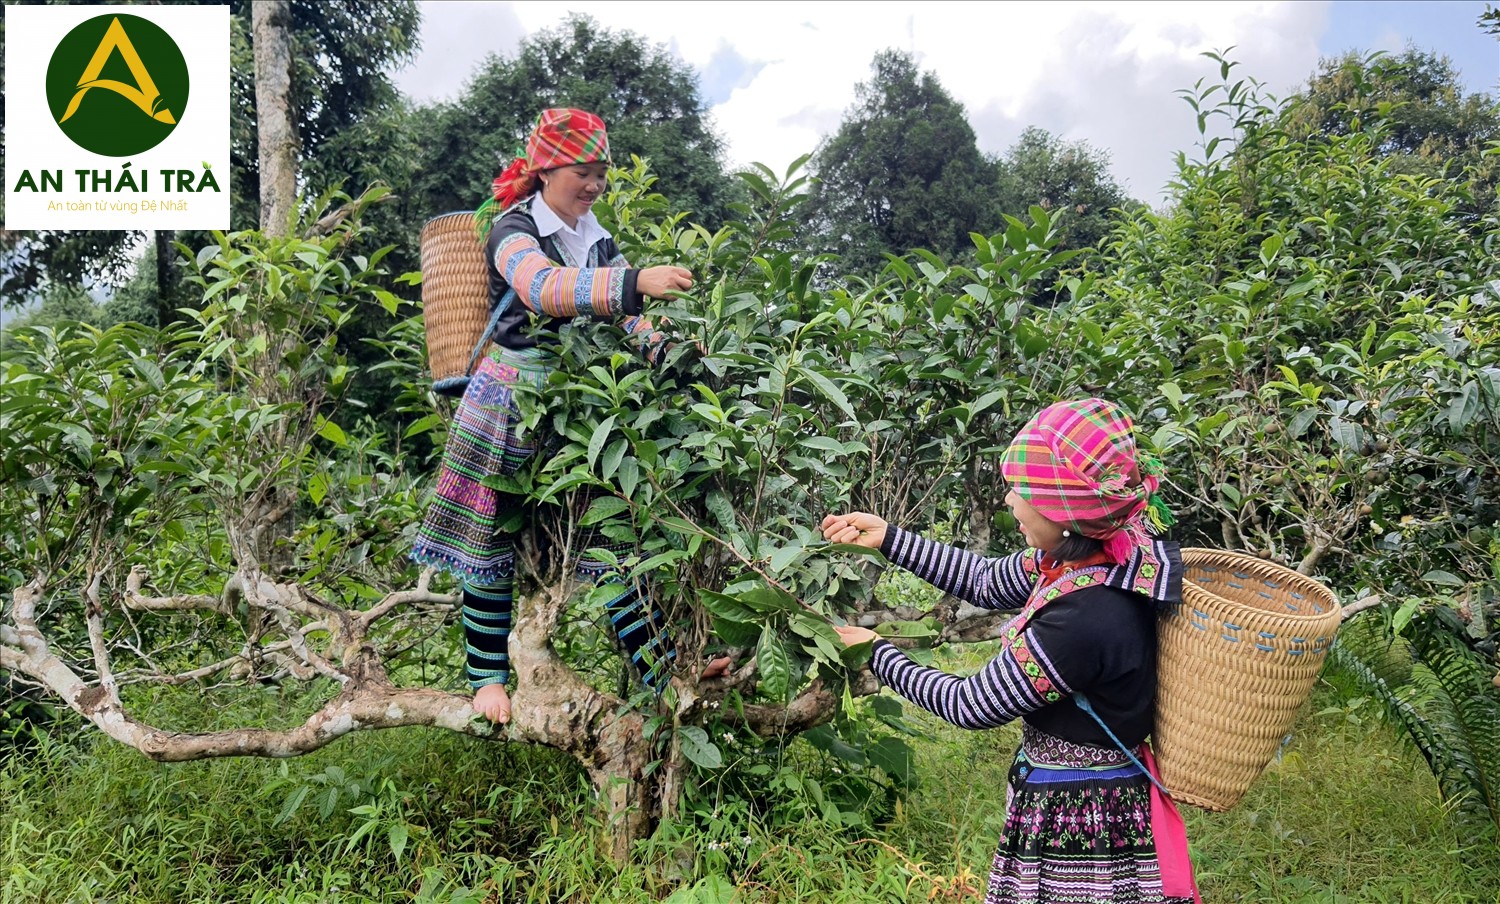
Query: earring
x=1067 y=534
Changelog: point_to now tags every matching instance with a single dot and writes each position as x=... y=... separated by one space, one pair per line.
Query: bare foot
x=715 y=668
x=492 y=702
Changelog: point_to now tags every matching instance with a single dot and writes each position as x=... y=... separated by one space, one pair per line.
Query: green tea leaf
x=317 y=488
x=604 y=508
x=785 y=556
x=332 y=432
x=821 y=633
x=1444 y=578
x=612 y=458
x=601 y=435
x=629 y=477
x=829 y=390
x=736 y=634
x=769 y=599
x=721 y=509
x=726 y=606
x=698 y=748
x=775 y=665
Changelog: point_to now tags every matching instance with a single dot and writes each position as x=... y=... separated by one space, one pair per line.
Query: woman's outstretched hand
x=658 y=281
x=853 y=636
x=858 y=528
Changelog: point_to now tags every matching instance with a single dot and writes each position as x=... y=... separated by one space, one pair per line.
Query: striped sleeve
x=557 y=291
x=1004 y=690
x=999 y=583
x=639 y=328
x=642 y=330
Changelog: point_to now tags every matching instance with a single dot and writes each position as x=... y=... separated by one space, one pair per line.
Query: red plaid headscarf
x=1077 y=464
x=562 y=136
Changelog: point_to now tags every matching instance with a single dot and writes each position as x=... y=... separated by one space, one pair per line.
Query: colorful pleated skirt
x=1077 y=828
x=468 y=525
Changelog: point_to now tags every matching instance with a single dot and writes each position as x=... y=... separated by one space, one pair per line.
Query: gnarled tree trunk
x=553 y=706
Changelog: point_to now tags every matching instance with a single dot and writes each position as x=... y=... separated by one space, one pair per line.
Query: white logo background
x=33 y=141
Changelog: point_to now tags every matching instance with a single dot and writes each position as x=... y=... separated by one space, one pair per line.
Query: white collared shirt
x=574 y=242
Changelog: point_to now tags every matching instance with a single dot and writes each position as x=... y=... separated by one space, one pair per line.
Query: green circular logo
x=117 y=85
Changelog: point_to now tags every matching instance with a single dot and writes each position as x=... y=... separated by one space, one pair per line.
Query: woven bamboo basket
x=1235 y=664
x=455 y=298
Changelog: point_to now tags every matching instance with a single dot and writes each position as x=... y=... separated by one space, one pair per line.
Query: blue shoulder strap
x=484 y=337
x=1086 y=706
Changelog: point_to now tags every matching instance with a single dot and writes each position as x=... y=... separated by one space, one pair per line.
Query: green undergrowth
x=1348 y=813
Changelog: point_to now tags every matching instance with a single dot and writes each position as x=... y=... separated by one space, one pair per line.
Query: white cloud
x=1390 y=40
x=456 y=36
x=1104 y=72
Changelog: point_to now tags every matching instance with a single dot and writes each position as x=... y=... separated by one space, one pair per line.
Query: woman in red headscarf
x=1085 y=822
x=549 y=261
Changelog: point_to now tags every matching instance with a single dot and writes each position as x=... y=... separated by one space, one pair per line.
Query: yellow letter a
x=143 y=94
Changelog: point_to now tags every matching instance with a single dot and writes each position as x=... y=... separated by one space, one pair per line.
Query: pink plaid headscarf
x=562 y=136
x=1076 y=463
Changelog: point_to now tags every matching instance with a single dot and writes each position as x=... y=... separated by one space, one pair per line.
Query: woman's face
x=1038 y=531
x=572 y=190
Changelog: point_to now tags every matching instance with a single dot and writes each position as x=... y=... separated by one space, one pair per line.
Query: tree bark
x=638 y=778
x=275 y=133
x=982 y=508
x=168 y=280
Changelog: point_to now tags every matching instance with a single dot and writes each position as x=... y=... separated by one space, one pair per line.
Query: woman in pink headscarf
x=1085 y=822
x=549 y=262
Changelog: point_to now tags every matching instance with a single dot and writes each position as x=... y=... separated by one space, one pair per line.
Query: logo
x=117 y=85
x=99 y=129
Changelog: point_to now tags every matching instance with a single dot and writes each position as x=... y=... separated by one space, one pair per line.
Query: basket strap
x=484 y=337
x=1084 y=704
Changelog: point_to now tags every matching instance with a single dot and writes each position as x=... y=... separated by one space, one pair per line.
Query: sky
x=779 y=76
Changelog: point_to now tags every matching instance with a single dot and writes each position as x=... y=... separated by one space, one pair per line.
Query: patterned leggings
x=467 y=530
x=636 y=618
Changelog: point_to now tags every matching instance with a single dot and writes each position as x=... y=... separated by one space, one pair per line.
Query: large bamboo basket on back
x=1235 y=664
x=455 y=298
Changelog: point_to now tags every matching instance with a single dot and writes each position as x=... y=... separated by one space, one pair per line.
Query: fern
x=1445 y=703
x=1470 y=705
x=1387 y=655
x=1427 y=741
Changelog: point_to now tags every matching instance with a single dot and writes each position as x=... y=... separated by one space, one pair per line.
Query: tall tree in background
x=350 y=129
x=341 y=59
x=649 y=99
x=1071 y=177
x=1432 y=127
x=903 y=171
x=276 y=135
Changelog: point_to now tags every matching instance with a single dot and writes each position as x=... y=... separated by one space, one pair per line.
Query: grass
x=1347 y=814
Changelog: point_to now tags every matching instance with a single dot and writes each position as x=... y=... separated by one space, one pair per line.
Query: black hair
x=1075 y=548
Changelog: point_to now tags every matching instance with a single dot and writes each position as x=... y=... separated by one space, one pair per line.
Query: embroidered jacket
x=604 y=286
x=1091 y=630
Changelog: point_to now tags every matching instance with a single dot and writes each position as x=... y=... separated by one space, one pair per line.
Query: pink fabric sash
x=1171 y=839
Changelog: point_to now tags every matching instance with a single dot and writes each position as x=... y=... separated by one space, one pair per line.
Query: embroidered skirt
x=468 y=527
x=1077 y=828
